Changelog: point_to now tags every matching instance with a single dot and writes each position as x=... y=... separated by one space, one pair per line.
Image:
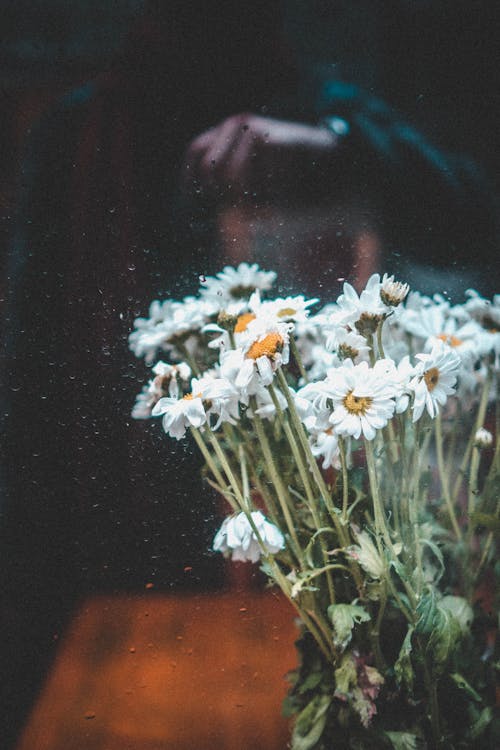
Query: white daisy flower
x=366 y=311
x=179 y=414
x=236 y=538
x=144 y=403
x=392 y=292
x=165 y=383
x=325 y=444
x=313 y=404
x=281 y=310
x=168 y=323
x=256 y=364
x=346 y=344
x=233 y=285
x=362 y=397
x=151 y=333
x=486 y=313
x=436 y=375
x=400 y=375
x=220 y=398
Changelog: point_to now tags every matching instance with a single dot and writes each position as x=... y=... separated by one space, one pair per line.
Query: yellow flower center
x=243 y=321
x=267 y=347
x=357 y=404
x=286 y=312
x=450 y=340
x=431 y=378
x=190 y=396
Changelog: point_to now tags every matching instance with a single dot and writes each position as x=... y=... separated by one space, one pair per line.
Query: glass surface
x=111 y=200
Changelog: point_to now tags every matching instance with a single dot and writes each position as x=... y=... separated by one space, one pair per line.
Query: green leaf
x=437 y=554
x=427 y=611
x=481 y=724
x=460 y=609
x=346 y=676
x=309 y=548
x=366 y=554
x=445 y=637
x=310 y=723
x=403 y=740
x=311 y=682
x=344 y=617
x=462 y=683
x=373 y=590
x=403 y=668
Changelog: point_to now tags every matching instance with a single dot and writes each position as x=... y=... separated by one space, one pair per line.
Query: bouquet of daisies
x=355 y=448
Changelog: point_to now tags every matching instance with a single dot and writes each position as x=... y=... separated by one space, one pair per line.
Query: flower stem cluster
x=351 y=448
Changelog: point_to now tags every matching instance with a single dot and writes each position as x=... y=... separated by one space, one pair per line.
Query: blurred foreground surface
x=155 y=672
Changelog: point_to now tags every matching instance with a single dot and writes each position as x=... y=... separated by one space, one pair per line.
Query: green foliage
x=310 y=723
x=344 y=617
x=462 y=684
x=404 y=740
x=403 y=668
x=345 y=676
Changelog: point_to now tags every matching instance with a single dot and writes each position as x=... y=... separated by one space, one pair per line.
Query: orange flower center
x=357 y=404
x=450 y=340
x=190 y=396
x=266 y=347
x=431 y=378
x=243 y=321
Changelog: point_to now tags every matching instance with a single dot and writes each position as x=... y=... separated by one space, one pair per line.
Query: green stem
x=278 y=484
x=225 y=466
x=284 y=585
x=298 y=359
x=375 y=632
x=479 y=421
x=413 y=499
x=342 y=534
x=269 y=501
x=444 y=479
x=484 y=556
x=383 y=531
x=345 y=481
x=304 y=476
x=473 y=490
x=379 y=340
x=244 y=477
x=213 y=467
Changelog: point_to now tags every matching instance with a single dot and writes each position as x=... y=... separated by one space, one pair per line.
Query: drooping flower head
x=165 y=383
x=237 y=539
